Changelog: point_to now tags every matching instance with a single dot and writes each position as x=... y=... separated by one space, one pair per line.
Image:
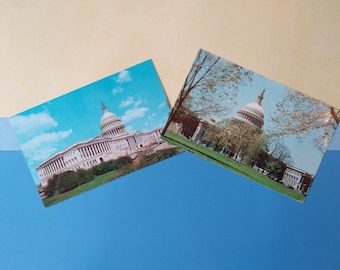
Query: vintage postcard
x=251 y=125
x=95 y=134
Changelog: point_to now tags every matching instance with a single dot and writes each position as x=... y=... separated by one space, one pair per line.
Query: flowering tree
x=211 y=87
x=300 y=115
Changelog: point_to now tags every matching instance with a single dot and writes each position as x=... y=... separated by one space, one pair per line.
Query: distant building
x=114 y=142
x=184 y=123
x=297 y=179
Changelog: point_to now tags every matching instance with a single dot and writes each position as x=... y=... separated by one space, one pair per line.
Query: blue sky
x=135 y=95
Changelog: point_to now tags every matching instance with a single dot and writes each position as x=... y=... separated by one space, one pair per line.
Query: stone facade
x=297 y=179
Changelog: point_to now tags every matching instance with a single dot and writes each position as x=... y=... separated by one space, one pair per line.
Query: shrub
x=104 y=167
x=123 y=161
x=84 y=176
x=66 y=181
x=158 y=156
x=126 y=169
x=50 y=189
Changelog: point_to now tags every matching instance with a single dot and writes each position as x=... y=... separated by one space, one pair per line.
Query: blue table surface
x=182 y=213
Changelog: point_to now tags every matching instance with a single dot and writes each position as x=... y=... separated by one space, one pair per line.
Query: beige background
x=50 y=47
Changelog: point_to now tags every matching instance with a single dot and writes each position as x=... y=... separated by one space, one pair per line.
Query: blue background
x=182 y=213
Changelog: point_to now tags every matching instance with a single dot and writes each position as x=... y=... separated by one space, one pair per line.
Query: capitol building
x=252 y=116
x=249 y=120
x=113 y=142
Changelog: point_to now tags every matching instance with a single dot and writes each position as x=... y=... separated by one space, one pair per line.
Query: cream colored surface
x=50 y=47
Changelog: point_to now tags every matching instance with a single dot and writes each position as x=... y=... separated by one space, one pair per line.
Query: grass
x=98 y=181
x=231 y=164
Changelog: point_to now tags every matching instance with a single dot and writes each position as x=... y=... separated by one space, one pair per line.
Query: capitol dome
x=107 y=117
x=251 y=114
x=110 y=125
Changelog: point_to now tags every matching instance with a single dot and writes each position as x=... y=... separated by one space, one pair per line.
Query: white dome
x=110 y=124
x=251 y=114
x=107 y=117
x=255 y=109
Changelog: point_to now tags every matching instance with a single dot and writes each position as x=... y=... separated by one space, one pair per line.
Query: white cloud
x=126 y=102
x=130 y=101
x=37 y=122
x=138 y=102
x=133 y=114
x=40 y=154
x=117 y=90
x=124 y=76
x=46 y=138
x=152 y=116
x=42 y=146
x=161 y=105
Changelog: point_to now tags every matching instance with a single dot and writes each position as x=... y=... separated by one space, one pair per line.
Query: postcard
x=95 y=134
x=8 y=141
x=251 y=125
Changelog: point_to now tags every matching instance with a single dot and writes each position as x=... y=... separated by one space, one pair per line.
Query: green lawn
x=231 y=164
x=98 y=181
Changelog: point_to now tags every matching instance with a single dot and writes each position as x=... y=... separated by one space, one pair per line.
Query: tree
x=84 y=176
x=279 y=150
x=123 y=161
x=275 y=168
x=104 y=167
x=50 y=189
x=263 y=159
x=66 y=181
x=152 y=158
x=241 y=138
x=210 y=87
x=214 y=136
x=300 y=115
x=255 y=151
